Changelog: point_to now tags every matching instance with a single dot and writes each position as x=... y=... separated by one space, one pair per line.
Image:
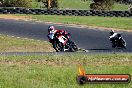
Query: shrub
x=16 y=3
x=102 y=4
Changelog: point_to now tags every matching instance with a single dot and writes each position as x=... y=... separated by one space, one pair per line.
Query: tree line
x=54 y=4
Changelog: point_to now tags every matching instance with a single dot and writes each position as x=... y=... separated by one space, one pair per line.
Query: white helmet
x=51 y=28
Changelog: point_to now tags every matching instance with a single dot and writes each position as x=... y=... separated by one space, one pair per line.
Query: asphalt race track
x=93 y=40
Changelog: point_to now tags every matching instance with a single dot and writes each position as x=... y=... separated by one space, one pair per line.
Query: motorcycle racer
x=113 y=35
x=116 y=36
x=52 y=32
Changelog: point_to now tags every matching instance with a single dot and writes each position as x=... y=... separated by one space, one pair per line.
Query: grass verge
x=12 y=44
x=94 y=21
x=59 y=71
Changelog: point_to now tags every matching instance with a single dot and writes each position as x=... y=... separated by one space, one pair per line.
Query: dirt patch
x=61 y=62
x=105 y=28
x=15 y=17
x=37 y=62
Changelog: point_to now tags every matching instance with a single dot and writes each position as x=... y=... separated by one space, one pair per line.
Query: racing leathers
x=113 y=36
x=118 y=37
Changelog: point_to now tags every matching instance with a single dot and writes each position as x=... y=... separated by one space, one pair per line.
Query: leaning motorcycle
x=64 y=44
x=118 y=43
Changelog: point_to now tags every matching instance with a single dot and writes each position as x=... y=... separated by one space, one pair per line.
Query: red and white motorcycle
x=63 y=43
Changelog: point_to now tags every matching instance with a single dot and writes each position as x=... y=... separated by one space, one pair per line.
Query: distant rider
x=115 y=36
x=52 y=32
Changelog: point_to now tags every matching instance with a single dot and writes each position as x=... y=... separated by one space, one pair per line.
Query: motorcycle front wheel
x=73 y=47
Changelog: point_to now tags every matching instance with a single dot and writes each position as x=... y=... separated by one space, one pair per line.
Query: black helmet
x=112 y=32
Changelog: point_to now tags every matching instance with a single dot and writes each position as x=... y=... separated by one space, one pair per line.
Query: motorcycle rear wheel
x=58 y=47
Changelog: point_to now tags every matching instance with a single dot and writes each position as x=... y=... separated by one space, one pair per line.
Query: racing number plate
x=62 y=39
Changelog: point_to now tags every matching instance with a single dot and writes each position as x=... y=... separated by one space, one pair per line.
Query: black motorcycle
x=118 y=43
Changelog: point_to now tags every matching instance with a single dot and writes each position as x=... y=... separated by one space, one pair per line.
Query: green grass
x=120 y=7
x=109 y=22
x=36 y=4
x=73 y=4
x=12 y=44
x=59 y=71
x=120 y=23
